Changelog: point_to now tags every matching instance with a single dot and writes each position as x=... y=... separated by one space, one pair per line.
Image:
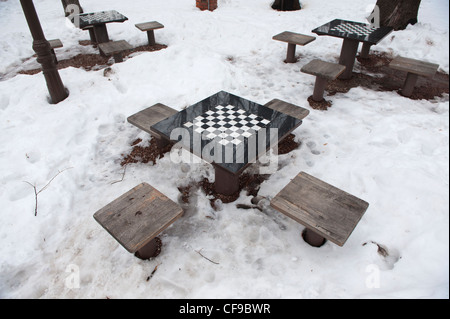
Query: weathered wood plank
x=147 y=26
x=138 y=216
x=294 y=38
x=327 y=70
x=418 y=67
x=114 y=47
x=321 y=207
x=288 y=108
x=55 y=43
x=150 y=116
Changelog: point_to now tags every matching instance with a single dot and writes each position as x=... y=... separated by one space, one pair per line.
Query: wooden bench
x=114 y=48
x=414 y=69
x=149 y=27
x=150 y=116
x=137 y=217
x=287 y=108
x=326 y=211
x=293 y=39
x=55 y=43
x=324 y=72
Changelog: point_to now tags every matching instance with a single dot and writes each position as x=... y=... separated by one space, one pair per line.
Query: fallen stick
x=36 y=193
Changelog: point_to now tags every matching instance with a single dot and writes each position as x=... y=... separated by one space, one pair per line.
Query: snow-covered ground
x=391 y=151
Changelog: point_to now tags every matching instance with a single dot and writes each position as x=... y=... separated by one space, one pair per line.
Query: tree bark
x=286 y=5
x=398 y=13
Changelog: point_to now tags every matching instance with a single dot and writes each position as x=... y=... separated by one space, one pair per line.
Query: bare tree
x=398 y=13
x=286 y=5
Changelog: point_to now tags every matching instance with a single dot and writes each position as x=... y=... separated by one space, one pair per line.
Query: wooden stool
x=115 y=48
x=326 y=211
x=150 y=116
x=293 y=39
x=137 y=217
x=55 y=43
x=414 y=68
x=324 y=72
x=149 y=27
x=287 y=108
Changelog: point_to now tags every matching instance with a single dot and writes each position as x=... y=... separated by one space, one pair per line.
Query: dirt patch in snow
x=150 y=152
x=375 y=74
x=94 y=61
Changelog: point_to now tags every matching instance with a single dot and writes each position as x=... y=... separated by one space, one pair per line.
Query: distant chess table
x=353 y=33
x=96 y=22
x=228 y=131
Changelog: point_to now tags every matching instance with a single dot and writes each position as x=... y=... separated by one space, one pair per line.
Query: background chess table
x=352 y=33
x=96 y=22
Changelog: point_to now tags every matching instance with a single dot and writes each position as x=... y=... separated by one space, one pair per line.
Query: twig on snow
x=36 y=192
x=199 y=252
x=123 y=175
x=153 y=272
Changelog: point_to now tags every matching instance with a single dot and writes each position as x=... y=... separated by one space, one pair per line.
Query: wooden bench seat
x=115 y=48
x=293 y=39
x=149 y=27
x=326 y=211
x=146 y=118
x=324 y=72
x=288 y=108
x=414 y=69
x=55 y=43
x=137 y=217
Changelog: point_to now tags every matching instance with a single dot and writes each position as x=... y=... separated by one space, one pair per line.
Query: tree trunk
x=69 y=7
x=398 y=13
x=286 y=5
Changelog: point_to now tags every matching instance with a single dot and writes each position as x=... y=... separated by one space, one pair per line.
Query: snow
x=391 y=151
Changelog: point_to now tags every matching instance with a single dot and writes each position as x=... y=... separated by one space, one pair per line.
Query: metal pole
x=44 y=53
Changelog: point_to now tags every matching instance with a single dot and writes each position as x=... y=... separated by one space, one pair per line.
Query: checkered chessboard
x=227 y=123
x=98 y=16
x=359 y=30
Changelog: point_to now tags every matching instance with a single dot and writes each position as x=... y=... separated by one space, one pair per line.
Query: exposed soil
x=378 y=76
x=94 y=61
x=249 y=182
x=145 y=154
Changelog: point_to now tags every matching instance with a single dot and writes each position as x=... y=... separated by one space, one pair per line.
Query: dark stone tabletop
x=89 y=19
x=227 y=130
x=353 y=30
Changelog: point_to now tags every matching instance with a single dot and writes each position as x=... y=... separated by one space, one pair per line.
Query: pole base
x=152 y=249
x=312 y=238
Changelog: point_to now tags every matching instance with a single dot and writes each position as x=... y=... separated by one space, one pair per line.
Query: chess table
x=352 y=33
x=96 y=22
x=229 y=132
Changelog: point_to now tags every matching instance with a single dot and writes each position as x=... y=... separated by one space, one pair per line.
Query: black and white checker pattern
x=86 y=19
x=359 y=30
x=228 y=123
x=98 y=16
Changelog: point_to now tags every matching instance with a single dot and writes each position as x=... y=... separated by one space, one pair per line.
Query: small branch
x=59 y=172
x=35 y=197
x=199 y=252
x=245 y=206
x=153 y=272
x=123 y=175
x=36 y=192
